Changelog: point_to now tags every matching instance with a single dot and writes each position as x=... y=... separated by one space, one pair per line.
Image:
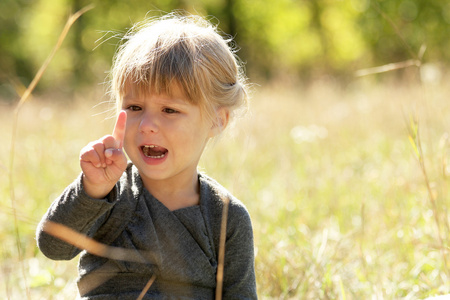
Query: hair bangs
x=169 y=63
x=186 y=54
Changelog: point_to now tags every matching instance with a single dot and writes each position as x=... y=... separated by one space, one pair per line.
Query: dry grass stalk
x=146 y=288
x=388 y=67
x=83 y=242
x=416 y=58
x=415 y=140
x=55 y=49
x=221 y=259
x=413 y=125
x=22 y=100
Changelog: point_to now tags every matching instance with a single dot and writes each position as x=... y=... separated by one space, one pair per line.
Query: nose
x=149 y=123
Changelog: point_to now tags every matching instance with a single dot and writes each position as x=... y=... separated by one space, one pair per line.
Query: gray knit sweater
x=179 y=247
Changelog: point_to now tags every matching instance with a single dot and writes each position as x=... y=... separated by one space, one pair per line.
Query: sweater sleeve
x=239 y=268
x=76 y=210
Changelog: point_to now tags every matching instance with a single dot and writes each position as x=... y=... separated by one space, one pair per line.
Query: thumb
x=113 y=154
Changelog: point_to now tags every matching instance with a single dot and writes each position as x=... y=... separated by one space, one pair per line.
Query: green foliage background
x=306 y=38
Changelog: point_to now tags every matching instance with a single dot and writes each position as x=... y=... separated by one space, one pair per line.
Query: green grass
x=338 y=201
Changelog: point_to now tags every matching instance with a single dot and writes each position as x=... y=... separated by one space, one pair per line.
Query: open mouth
x=152 y=151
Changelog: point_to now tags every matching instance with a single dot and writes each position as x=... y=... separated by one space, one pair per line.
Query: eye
x=133 y=108
x=168 y=110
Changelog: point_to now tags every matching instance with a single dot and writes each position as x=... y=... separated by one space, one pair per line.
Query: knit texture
x=179 y=247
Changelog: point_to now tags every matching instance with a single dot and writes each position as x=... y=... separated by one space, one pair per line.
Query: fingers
x=101 y=153
x=108 y=149
x=119 y=129
x=93 y=153
x=112 y=155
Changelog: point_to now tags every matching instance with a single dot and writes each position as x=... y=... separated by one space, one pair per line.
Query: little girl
x=176 y=83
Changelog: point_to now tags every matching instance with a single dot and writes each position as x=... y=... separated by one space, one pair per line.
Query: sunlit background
x=342 y=159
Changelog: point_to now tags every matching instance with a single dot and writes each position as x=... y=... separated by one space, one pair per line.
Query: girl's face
x=165 y=136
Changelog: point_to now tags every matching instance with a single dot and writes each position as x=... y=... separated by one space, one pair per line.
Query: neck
x=175 y=193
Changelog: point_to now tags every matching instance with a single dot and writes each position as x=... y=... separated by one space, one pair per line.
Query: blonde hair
x=184 y=50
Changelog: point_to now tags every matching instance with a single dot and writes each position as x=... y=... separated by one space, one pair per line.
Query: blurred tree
x=306 y=38
x=14 y=66
x=395 y=30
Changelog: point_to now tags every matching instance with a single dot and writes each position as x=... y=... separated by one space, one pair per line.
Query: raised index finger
x=119 y=129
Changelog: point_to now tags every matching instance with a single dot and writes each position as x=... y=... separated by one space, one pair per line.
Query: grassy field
x=340 y=204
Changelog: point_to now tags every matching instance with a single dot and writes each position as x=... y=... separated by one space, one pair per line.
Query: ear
x=221 y=121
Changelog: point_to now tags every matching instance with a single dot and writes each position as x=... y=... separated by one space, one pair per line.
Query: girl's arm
x=76 y=210
x=85 y=204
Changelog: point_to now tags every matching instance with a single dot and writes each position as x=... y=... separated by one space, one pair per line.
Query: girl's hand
x=103 y=161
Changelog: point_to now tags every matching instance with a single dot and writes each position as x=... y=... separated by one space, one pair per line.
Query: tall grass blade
x=90 y=245
x=147 y=287
x=83 y=242
x=221 y=259
x=415 y=140
x=71 y=20
x=341 y=286
x=388 y=67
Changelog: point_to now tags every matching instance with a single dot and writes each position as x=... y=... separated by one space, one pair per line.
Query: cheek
x=131 y=128
x=185 y=138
